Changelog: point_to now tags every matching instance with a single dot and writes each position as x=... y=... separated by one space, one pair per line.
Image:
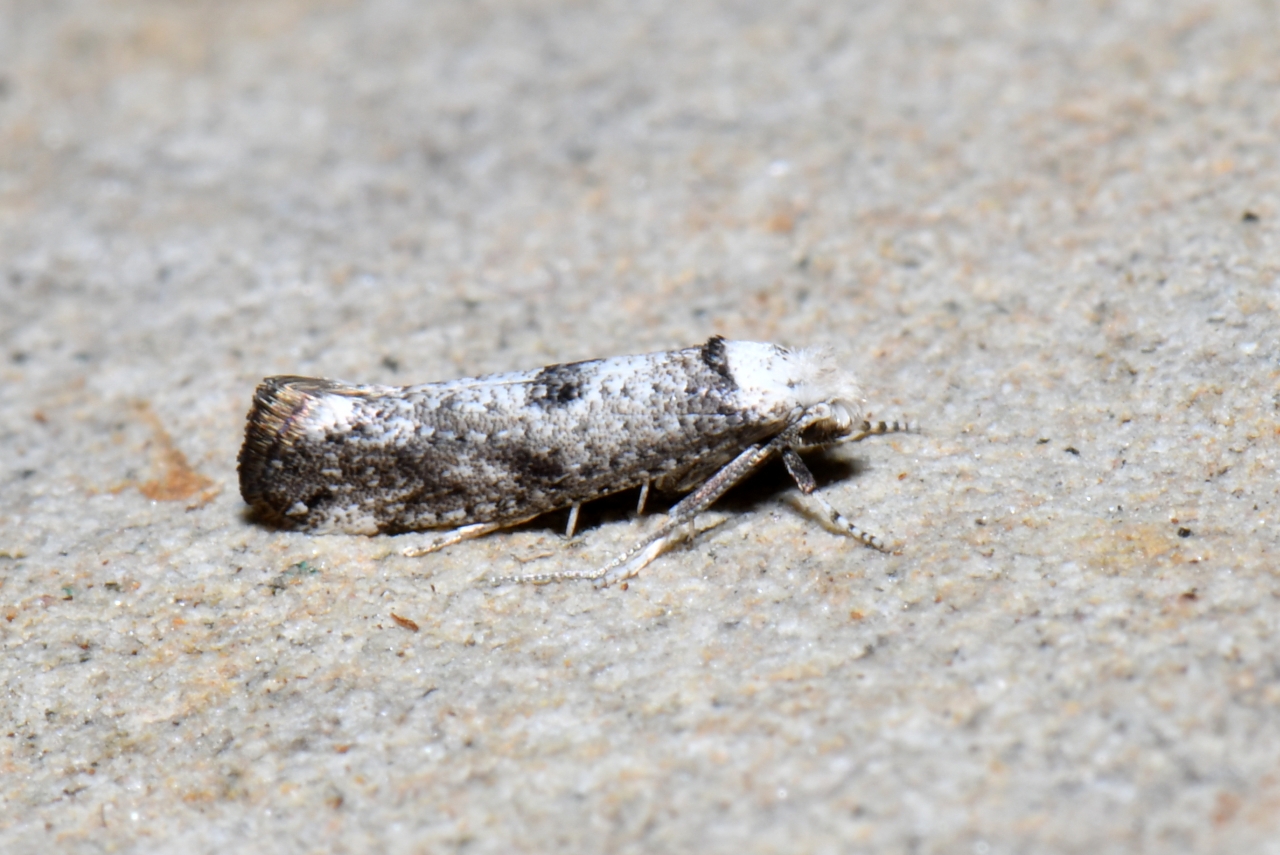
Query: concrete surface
x=1046 y=231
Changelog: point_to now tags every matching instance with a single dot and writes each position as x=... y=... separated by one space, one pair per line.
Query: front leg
x=804 y=480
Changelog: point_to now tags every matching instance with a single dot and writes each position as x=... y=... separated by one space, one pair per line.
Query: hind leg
x=466 y=532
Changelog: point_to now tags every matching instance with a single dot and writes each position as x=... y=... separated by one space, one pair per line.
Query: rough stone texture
x=1047 y=231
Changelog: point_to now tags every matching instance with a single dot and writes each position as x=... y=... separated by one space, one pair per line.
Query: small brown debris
x=178 y=480
x=404 y=622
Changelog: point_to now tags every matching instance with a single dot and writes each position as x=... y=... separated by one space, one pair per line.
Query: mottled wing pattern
x=325 y=455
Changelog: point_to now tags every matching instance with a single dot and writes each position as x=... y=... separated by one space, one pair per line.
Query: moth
x=480 y=454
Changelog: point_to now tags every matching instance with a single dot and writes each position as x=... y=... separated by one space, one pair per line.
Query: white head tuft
x=776 y=378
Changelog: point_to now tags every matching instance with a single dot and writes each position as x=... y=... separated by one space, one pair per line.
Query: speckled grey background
x=1046 y=231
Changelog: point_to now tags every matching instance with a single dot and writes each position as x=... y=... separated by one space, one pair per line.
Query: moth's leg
x=644 y=497
x=573 y=520
x=804 y=480
x=638 y=557
x=466 y=532
x=635 y=559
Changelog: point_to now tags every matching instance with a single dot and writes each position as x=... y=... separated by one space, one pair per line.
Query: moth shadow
x=263 y=518
x=617 y=507
x=766 y=484
x=772 y=480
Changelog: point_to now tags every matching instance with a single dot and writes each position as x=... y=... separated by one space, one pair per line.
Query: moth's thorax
x=809 y=383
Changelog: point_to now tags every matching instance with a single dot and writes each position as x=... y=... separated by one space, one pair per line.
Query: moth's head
x=777 y=378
